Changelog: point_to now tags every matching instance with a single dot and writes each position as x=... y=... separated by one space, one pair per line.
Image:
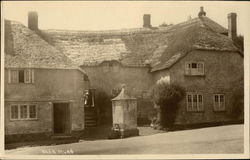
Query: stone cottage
x=199 y=55
x=43 y=88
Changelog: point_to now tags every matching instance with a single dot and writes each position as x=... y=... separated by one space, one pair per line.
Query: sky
x=108 y=15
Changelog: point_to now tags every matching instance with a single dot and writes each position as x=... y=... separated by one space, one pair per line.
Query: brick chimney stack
x=146 y=21
x=202 y=12
x=33 y=20
x=232 y=25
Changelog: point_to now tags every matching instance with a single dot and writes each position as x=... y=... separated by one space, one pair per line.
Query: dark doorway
x=61 y=118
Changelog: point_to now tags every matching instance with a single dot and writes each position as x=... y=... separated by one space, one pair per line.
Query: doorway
x=61 y=116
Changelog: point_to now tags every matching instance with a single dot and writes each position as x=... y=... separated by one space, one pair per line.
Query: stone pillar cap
x=122 y=95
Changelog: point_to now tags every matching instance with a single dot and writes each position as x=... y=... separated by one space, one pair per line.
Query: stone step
x=90 y=114
x=90 y=118
x=90 y=121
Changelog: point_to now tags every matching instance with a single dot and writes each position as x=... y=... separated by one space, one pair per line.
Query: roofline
x=236 y=51
x=116 y=61
x=78 y=68
x=152 y=71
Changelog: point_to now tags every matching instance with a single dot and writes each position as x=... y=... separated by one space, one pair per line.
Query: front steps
x=90 y=117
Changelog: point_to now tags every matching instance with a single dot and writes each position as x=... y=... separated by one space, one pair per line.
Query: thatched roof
x=159 y=47
x=25 y=49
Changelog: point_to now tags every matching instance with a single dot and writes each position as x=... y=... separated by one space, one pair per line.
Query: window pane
x=189 y=102
x=194 y=65
x=200 y=105
x=188 y=68
x=14 y=112
x=85 y=77
x=27 y=75
x=216 y=102
x=216 y=98
x=221 y=98
x=195 y=102
x=23 y=111
x=189 y=98
x=195 y=98
x=14 y=76
x=200 y=98
x=32 y=111
x=21 y=76
x=200 y=68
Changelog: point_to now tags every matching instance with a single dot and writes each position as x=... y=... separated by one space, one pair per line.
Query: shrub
x=167 y=96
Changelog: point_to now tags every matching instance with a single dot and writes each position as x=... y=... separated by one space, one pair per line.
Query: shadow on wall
x=145 y=112
x=104 y=107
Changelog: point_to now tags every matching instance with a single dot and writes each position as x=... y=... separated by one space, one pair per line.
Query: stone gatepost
x=124 y=110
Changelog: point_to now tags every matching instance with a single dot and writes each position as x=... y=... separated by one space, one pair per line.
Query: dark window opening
x=86 y=78
x=194 y=65
x=21 y=76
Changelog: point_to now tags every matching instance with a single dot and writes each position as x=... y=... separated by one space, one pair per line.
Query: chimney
x=232 y=26
x=202 y=12
x=33 y=20
x=146 y=21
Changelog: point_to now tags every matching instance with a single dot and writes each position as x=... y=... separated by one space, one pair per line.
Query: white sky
x=98 y=15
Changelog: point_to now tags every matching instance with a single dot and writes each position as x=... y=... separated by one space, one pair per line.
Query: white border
x=161 y=156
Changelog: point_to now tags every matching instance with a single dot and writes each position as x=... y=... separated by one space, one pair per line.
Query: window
x=110 y=66
x=23 y=112
x=21 y=76
x=85 y=77
x=14 y=112
x=194 y=102
x=194 y=68
x=32 y=111
x=219 y=102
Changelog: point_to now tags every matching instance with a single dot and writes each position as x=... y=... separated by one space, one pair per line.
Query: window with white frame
x=21 y=76
x=23 y=112
x=219 y=102
x=194 y=68
x=194 y=102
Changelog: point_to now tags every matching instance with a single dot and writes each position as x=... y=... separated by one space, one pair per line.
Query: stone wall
x=138 y=80
x=223 y=71
x=51 y=85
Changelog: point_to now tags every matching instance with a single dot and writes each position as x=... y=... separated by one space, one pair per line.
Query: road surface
x=222 y=139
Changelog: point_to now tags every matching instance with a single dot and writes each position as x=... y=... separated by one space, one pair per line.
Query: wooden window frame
x=199 y=105
x=220 y=107
x=11 y=112
x=19 y=112
x=28 y=76
x=198 y=71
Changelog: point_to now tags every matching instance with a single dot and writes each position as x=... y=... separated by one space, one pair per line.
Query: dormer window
x=110 y=67
x=20 y=76
x=194 y=68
